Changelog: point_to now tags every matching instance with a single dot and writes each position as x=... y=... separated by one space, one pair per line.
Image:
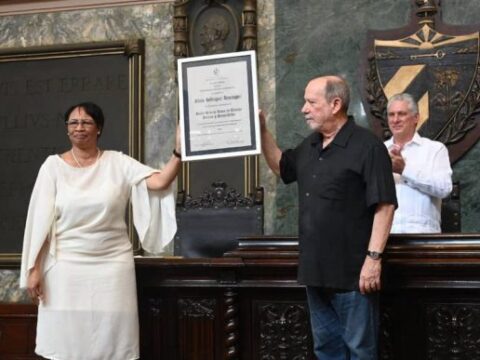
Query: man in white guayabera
x=421 y=169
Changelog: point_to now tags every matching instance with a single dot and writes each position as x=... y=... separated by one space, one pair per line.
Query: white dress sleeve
x=153 y=211
x=153 y=217
x=40 y=224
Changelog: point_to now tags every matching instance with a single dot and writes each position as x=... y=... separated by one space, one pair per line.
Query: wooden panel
x=430 y=304
x=280 y=327
x=155 y=328
x=17 y=331
x=196 y=327
x=247 y=305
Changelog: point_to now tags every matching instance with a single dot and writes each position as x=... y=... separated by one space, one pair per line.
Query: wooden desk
x=248 y=305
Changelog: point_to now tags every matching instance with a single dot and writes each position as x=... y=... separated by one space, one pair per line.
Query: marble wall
x=152 y=23
x=314 y=37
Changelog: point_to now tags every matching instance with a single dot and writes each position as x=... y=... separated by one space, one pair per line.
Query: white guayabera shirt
x=425 y=181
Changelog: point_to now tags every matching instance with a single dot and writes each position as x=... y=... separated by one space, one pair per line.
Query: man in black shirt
x=346 y=204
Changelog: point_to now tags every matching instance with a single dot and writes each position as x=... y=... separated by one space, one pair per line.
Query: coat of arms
x=439 y=67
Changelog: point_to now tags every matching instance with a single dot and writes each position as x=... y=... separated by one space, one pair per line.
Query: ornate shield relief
x=439 y=68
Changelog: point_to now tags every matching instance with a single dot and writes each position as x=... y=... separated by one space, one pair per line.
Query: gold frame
x=134 y=49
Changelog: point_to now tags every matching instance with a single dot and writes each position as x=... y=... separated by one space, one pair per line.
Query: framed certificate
x=219 y=106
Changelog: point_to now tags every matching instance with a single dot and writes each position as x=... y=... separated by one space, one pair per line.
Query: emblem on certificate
x=218 y=103
x=439 y=66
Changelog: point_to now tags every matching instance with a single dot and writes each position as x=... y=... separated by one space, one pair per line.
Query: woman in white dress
x=77 y=259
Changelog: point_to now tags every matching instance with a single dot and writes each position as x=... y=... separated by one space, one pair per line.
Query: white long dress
x=90 y=306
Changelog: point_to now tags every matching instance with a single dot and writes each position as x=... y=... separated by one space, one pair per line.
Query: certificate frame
x=218 y=102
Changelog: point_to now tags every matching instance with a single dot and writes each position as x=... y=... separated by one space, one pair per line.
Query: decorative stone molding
x=15 y=7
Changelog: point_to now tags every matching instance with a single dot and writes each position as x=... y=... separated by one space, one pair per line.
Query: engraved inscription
x=35 y=93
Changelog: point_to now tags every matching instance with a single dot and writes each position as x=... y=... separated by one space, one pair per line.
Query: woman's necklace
x=78 y=162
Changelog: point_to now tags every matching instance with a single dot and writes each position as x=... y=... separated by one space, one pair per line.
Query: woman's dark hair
x=91 y=109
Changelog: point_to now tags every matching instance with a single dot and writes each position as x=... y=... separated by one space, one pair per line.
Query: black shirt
x=339 y=188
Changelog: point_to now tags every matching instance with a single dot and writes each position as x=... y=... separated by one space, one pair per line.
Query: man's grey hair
x=338 y=87
x=412 y=104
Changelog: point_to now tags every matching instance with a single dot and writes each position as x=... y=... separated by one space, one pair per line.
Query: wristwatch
x=176 y=153
x=375 y=255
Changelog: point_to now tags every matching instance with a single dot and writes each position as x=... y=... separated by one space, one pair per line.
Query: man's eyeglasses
x=83 y=123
